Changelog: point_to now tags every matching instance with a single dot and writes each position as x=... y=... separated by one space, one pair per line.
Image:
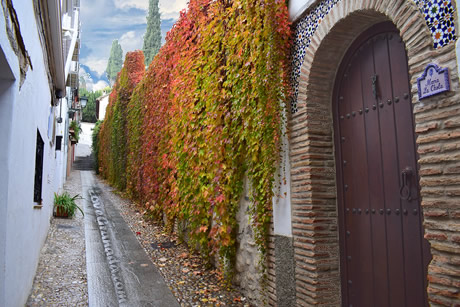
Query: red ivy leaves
x=206 y=114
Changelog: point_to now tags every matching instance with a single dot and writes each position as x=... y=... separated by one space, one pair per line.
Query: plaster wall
x=103 y=103
x=61 y=161
x=297 y=7
x=8 y=60
x=6 y=95
x=23 y=111
x=282 y=199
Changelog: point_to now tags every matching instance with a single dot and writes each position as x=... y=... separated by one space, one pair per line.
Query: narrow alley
x=97 y=259
x=243 y=153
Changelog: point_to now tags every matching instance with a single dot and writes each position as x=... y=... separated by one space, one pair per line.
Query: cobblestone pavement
x=61 y=274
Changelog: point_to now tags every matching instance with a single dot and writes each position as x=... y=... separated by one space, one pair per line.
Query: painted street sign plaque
x=434 y=80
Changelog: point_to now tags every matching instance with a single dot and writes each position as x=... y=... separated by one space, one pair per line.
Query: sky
x=103 y=21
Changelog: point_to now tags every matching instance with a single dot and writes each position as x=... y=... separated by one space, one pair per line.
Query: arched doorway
x=384 y=257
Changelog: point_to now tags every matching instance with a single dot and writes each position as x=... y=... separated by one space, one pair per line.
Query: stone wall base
x=285 y=271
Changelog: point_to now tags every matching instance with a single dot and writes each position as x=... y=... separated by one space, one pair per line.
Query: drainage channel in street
x=102 y=222
x=119 y=271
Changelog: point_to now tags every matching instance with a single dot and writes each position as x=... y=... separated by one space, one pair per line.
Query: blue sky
x=102 y=21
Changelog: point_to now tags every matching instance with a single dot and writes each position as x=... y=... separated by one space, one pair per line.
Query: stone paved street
x=61 y=274
x=100 y=252
x=119 y=271
x=61 y=278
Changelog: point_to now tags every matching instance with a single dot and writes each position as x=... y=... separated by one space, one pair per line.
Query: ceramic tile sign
x=434 y=80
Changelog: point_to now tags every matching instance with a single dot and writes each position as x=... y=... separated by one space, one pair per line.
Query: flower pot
x=65 y=205
x=59 y=212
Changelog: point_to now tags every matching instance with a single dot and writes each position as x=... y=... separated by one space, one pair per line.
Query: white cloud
x=130 y=41
x=83 y=73
x=171 y=9
x=126 y=4
x=168 y=8
x=87 y=76
x=101 y=84
x=105 y=20
x=96 y=64
x=123 y=20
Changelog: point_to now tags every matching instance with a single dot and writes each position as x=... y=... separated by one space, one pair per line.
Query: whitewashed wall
x=23 y=229
x=6 y=95
x=61 y=156
x=297 y=7
x=103 y=103
x=282 y=215
x=282 y=201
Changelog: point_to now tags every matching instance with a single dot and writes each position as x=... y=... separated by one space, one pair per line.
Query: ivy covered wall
x=113 y=135
x=207 y=113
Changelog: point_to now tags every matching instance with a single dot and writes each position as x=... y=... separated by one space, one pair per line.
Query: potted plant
x=65 y=205
x=74 y=130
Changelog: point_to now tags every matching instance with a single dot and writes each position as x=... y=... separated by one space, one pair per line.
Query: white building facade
x=101 y=106
x=33 y=132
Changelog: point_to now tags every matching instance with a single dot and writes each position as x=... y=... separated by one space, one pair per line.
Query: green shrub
x=66 y=203
x=76 y=128
x=95 y=144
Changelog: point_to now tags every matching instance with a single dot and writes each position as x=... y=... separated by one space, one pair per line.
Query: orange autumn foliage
x=207 y=113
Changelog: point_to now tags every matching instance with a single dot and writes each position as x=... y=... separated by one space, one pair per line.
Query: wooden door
x=384 y=256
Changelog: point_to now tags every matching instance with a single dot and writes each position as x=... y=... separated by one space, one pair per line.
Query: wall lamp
x=83 y=101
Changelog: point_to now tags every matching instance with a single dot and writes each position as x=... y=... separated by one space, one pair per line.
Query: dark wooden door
x=384 y=256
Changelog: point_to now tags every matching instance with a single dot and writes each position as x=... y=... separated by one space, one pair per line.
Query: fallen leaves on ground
x=187 y=275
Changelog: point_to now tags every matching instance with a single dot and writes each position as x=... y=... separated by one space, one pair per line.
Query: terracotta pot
x=60 y=212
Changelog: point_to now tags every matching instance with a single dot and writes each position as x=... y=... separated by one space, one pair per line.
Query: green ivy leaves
x=207 y=113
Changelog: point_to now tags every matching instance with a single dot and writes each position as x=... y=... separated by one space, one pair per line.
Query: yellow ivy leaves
x=208 y=113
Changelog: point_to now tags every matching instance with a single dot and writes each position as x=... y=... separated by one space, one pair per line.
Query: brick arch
x=313 y=182
x=348 y=19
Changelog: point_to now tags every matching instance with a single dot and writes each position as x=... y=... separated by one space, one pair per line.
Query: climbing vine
x=104 y=151
x=207 y=113
x=114 y=130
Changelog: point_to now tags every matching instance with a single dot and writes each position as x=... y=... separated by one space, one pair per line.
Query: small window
x=58 y=142
x=38 y=168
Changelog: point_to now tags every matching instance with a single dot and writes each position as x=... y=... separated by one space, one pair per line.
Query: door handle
x=404 y=191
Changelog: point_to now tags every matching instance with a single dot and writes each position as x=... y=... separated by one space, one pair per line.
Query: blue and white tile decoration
x=439 y=17
x=304 y=30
